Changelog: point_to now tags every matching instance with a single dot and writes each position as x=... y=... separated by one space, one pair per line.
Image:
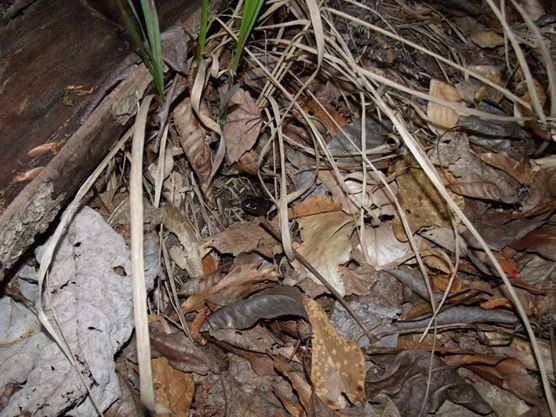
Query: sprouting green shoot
x=203 y=30
x=146 y=35
x=251 y=10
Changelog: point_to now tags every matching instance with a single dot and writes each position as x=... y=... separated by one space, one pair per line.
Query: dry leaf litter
x=314 y=163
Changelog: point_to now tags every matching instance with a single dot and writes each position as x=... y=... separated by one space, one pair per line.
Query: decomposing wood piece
x=53 y=56
x=37 y=205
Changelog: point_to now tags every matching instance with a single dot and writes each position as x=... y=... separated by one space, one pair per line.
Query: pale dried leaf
x=338 y=365
x=176 y=223
x=28 y=175
x=326 y=245
x=534 y=8
x=243 y=125
x=441 y=116
x=487 y=39
x=382 y=248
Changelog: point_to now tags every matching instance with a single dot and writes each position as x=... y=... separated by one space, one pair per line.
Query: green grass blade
x=203 y=30
x=250 y=14
x=134 y=31
x=146 y=36
x=153 y=38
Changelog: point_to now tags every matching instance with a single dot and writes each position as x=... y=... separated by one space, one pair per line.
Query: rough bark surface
x=37 y=44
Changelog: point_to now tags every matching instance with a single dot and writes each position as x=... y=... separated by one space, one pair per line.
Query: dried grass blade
x=522 y=63
x=137 y=263
x=550 y=69
x=316 y=21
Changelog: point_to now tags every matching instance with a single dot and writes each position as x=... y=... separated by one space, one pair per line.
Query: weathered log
x=37 y=112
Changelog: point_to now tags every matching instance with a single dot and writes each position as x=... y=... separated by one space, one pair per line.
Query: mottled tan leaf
x=243 y=125
x=422 y=204
x=326 y=245
x=491 y=72
x=441 y=116
x=487 y=39
x=195 y=142
x=338 y=364
x=173 y=389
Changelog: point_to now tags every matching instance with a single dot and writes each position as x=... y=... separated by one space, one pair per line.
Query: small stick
x=265 y=224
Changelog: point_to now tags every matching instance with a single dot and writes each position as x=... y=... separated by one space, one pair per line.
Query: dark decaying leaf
x=462 y=314
x=182 y=353
x=127 y=405
x=541 y=241
x=508 y=373
x=239 y=283
x=404 y=378
x=277 y=302
x=498 y=228
x=239 y=392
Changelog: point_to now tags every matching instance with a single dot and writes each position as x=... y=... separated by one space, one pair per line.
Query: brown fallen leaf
x=173 y=389
x=519 y=170
x=243 y=125
x=239 y=283
x=194 y=140
x=315 y=204
x=404 y=377
x=507 y=373
x=496 y=302
x=541 y=241
x=245 y=238
x=180 y=351
x=338 y=365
